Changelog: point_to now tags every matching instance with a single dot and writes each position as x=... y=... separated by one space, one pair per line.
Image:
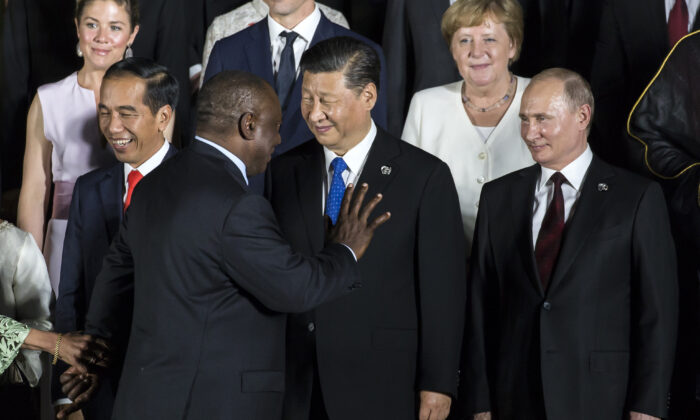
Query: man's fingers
x=379 y=220
x=358 y=199
x=424 y=412
x=369 y=207
x=345 y=204
x=66 y=410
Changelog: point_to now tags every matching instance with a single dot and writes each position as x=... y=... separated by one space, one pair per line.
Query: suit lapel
x=590 y=209
x=258 y=52
x=111 y=190
x=309 y=184
x=381 y=166
x=522 y=195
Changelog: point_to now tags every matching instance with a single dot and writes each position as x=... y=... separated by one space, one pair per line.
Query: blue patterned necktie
x=287 y=73
x=337 y=190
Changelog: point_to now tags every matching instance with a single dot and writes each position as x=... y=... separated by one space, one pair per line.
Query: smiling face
x=554 y=133
x=129 y=126
x=104 y=32
x=338 y=117
x=482 y=52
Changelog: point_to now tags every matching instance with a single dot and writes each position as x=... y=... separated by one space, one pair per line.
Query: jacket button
x=482 y=155
x=311 y=327
x=481 y=180
x=546 y=306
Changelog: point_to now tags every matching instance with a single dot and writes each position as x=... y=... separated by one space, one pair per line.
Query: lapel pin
x=602 y=186
x=386 y=170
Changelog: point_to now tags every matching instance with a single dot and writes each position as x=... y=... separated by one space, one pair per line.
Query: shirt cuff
x=62 y=401
x=351 y=251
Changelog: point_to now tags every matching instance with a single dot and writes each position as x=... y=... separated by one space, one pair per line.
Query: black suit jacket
x=93 y=221
x=632 y=43
x=402 y=331
x=600 y=341
x=416 y=54
x=249 y=50
x=210 y=277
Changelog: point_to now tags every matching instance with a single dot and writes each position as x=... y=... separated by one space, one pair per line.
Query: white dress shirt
x=146 y=167
x=305 y=29
x=233 y=158
x=355 y=158
x=575 y=172
x=692 y=10
x=247 y=15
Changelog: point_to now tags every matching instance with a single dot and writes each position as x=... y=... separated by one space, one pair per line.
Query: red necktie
x=133 y=179
x=677 y=22
x=549 y=238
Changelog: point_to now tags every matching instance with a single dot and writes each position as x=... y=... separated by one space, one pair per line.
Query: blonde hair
x=467 y=13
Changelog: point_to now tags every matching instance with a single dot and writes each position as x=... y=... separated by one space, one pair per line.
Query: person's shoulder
x=440 y=93
x=631 y=181
x=97 y=175
x=59 y=86
x=291 y=156
x=341 y=31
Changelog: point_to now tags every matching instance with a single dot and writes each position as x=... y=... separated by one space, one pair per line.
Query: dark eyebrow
x=111 y=22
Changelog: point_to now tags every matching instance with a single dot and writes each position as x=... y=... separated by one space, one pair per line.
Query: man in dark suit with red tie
x=573 y=294
x=138 y=97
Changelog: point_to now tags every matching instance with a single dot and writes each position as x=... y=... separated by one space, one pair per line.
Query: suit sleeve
x=395 y=42
x=70 y=307
x=111 y=303
x=442 y=279
x=654 y=306
x=261 y=262
x=482 y=308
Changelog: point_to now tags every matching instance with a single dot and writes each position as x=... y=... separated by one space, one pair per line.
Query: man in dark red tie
x=137 y=99
x=573 y=284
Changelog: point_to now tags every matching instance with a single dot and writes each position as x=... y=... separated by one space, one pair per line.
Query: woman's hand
x=83 y=351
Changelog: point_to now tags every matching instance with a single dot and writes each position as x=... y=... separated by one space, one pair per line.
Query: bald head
x=240 y=111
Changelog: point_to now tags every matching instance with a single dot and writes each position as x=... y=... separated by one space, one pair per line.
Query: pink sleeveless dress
x=70 y=124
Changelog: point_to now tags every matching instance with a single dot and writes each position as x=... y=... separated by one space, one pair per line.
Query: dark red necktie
x=132 y=179
x=677 y=22
x=549 y=238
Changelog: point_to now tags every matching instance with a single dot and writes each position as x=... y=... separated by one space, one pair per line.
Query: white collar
x=306 y=28
x=574 y=172
x=233 y=158
x=151 y=163
x=355 y=157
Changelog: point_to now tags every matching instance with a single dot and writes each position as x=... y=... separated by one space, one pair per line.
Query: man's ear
x=246 y=126
x=163 y=117
x=369 y=95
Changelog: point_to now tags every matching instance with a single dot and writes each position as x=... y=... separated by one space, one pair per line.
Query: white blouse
x=438 y=124
x=25 y=290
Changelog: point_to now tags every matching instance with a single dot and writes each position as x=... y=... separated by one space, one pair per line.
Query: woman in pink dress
x=63 y=138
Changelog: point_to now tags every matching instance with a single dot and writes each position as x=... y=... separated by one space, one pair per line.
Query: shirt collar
x=574 y=172
x=355 y=157
x=151 y=163
x=306 y=28
x=233 y=158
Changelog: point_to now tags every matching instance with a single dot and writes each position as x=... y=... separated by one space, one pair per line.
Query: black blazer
x=402 y=331
x=417 y=56
x=249 y=50
x=632 y=43
x=210 y=277
x=600 y=341
x=95 y=214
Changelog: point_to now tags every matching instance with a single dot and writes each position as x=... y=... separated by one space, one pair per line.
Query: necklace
x=509 y=93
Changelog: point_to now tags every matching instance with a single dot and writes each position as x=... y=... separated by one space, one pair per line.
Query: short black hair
x=358 y=61
x=161 y=86
x=228 y=95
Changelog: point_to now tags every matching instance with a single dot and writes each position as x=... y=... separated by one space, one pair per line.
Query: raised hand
x=352 y=228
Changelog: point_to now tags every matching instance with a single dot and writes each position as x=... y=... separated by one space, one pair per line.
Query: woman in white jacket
x=473 y=124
